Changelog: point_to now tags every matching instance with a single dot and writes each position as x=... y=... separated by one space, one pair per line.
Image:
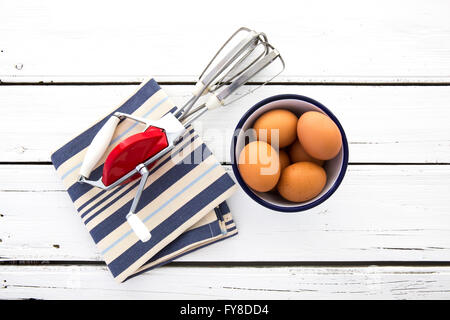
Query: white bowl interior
x=298 y=107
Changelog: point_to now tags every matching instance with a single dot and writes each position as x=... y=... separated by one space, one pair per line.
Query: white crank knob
x=139 y=227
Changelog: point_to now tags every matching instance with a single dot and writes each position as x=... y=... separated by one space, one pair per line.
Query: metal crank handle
x=136 y=224
x=98 y=146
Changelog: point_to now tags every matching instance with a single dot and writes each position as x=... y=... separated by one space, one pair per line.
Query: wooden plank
x=322 y=41
x=383 y=124
x=380 y=213
x=94 y=282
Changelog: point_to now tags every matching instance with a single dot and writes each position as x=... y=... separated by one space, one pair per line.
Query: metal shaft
x=144 y=173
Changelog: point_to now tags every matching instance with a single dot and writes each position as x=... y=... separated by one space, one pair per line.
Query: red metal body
x=132 y=151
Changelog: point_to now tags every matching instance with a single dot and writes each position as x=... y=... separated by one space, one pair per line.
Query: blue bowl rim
x=300 y=207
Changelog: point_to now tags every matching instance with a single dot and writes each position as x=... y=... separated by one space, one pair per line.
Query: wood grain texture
x=380 y=213
x=322 y=41
x=383 y=124
x=94 y=282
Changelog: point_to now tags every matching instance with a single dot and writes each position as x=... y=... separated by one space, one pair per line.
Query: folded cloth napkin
x=183 y=203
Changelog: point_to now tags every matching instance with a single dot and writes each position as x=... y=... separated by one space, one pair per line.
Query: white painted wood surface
x=94 y=282
x=392 y=63
x=322 y=41
x=380 y=213
x=383 y=124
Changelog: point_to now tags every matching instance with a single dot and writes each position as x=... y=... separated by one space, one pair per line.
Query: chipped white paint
x=383 y=212
x=94 y=282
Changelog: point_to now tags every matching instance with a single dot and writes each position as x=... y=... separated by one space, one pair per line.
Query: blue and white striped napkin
x=183 y=203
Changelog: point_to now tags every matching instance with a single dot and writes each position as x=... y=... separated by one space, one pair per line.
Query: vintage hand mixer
x=132 y=158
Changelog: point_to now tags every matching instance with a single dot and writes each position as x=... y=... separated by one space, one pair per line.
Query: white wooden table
x=383 y=67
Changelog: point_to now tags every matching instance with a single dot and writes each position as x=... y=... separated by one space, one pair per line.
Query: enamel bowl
x=335 y=168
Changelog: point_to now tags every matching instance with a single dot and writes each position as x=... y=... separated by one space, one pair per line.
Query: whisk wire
x=235 y=69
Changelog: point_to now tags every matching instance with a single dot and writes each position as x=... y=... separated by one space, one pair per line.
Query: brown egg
x=259 y=166
x=284 y=159
x=279 y=119
x=297 y=154
x=301 y=181
x=319 y=135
